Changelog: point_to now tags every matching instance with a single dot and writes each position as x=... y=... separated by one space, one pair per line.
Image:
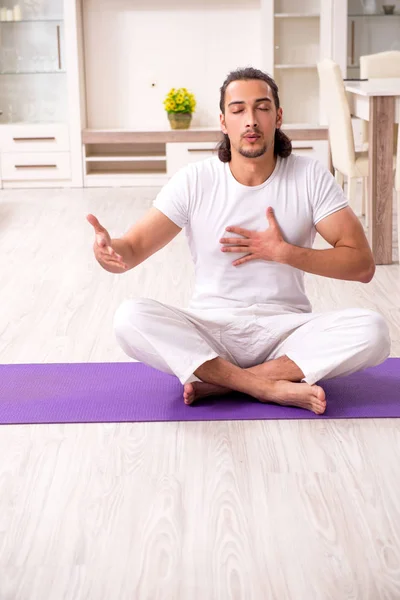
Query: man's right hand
x=103 y=250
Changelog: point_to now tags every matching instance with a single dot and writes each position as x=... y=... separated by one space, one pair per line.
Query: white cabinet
x=34 y=138
x=71 y=66
x=285 y=38
x=39 y=96
x=300 y=34
x=180 y=154
x=317 y=149
x=369 y=33
x=34 y=167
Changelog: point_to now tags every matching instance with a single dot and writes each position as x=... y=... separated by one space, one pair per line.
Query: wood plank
x=111 y=136
x=306 y=133
x=93 y=136
x=380 y=196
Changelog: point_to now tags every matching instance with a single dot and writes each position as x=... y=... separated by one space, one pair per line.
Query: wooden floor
x=302 y=510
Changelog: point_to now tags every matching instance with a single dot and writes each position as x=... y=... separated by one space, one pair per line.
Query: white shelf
x=294 y=66
x=127 y=158
x=373 y=16
x=126 y=173
x=57 y=72
x=297 y=15
x=17 y=22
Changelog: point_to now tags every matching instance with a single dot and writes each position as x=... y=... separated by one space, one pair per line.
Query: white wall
x=172 y=43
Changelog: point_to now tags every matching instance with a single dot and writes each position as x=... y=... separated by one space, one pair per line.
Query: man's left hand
x=262 y=245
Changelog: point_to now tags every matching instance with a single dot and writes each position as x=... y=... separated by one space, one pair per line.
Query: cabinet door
x=180 y=154
x=36 y=166
x=33 y=84
x=318 y=149
x=34 y=138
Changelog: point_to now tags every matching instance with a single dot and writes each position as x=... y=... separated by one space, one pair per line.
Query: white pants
x=323 y=345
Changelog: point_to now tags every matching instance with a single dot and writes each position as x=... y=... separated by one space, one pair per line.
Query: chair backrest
x=337 y=111
x=380 y=65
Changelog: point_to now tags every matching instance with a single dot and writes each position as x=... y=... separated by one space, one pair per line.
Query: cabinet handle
x=201 y=149
x=36 y=166
x=353 y=25
x=303 y=148
x=34 y=139
x=59 y=46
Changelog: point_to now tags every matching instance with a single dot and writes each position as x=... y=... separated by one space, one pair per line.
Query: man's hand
x=262 y=245
x=103 y=250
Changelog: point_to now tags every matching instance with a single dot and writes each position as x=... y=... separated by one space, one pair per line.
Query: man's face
x=250 y=117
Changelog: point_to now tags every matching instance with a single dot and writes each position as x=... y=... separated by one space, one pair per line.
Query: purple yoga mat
x=117 y=392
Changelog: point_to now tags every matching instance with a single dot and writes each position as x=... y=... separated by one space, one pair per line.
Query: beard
x=256 y=153
x=253 y=152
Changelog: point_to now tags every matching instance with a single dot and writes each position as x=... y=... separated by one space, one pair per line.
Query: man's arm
x=147 y=236
x=349 y=259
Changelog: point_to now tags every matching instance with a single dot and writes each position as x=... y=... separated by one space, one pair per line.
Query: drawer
x=34 y=138
x=318 y=149
x=35 y=166
x=180 y=154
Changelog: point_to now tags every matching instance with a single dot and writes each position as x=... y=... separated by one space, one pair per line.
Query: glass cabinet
x=373 y=26
x=33 y=82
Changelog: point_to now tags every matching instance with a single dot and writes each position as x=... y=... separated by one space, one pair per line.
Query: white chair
x=379 y=66
x=346 y=161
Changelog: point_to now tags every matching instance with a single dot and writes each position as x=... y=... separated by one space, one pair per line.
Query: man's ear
x=222 y=122
x=279 y=118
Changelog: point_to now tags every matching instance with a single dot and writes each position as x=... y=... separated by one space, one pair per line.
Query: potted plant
x=180 y=105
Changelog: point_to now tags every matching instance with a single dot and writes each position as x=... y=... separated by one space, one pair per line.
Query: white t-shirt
x=205 y=198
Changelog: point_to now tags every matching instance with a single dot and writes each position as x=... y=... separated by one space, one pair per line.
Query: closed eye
x=263 y=108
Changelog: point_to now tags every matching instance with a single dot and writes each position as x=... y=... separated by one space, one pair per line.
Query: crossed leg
x=321 y=347
x=273 y=381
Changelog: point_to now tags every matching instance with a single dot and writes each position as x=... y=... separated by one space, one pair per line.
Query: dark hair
x=282 y=144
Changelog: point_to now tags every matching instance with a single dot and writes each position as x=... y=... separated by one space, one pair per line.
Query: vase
x=180 y=120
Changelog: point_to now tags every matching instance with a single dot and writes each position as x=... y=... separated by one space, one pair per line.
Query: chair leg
x=339 y=178
x=364 y=204
x=364 y=196
x=352 y=193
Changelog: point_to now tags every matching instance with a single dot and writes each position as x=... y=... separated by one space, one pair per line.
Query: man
x=250 y=215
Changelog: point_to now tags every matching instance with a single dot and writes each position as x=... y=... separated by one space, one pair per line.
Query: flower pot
x=179 y=120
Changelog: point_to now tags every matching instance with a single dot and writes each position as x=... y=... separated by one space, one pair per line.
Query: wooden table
x=378 y=101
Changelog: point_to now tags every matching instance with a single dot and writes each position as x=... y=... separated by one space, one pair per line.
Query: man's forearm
x=341 y=262
x=124 y=249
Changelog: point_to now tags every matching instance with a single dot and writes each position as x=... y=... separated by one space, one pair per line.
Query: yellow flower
x=179 y=100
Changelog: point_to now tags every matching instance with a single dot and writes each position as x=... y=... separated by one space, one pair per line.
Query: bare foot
x=285 y=393
x=303 y=395
x=199 y=389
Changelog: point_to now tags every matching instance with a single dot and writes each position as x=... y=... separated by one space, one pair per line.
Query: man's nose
x=251 y=120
